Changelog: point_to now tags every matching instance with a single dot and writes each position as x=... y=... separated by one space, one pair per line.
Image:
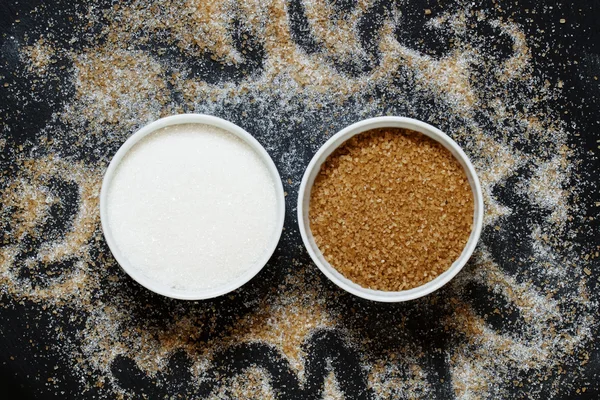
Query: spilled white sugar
x=192 y=206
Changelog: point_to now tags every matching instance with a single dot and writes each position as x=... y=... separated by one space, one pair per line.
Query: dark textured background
x=25 y=327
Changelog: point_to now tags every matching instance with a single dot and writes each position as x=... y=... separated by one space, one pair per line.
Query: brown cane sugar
x=391 y=209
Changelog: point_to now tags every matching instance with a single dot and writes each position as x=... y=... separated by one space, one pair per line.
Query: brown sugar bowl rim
x=313 y=169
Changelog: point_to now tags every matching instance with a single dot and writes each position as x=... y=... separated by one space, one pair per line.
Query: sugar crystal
x=192 y=206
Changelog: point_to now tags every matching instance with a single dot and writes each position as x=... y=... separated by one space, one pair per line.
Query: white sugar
x=192 y=206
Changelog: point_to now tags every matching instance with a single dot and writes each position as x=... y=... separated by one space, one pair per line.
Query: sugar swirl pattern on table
x=293 y=73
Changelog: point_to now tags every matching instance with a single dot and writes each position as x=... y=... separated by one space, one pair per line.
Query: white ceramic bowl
x=313 y=169
x=158 y=287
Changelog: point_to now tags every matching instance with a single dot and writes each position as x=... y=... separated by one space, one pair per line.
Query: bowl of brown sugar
x=390 y=209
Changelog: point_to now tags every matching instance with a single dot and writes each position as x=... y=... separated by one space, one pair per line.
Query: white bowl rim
x=153 y=285
x=304 y=197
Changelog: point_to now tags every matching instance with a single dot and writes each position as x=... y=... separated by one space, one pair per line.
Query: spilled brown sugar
x=391 y=209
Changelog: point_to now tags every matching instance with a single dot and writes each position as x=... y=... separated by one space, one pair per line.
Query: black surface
x=26 y=328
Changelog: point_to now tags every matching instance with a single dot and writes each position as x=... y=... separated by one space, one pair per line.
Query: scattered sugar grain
x=192 y=206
